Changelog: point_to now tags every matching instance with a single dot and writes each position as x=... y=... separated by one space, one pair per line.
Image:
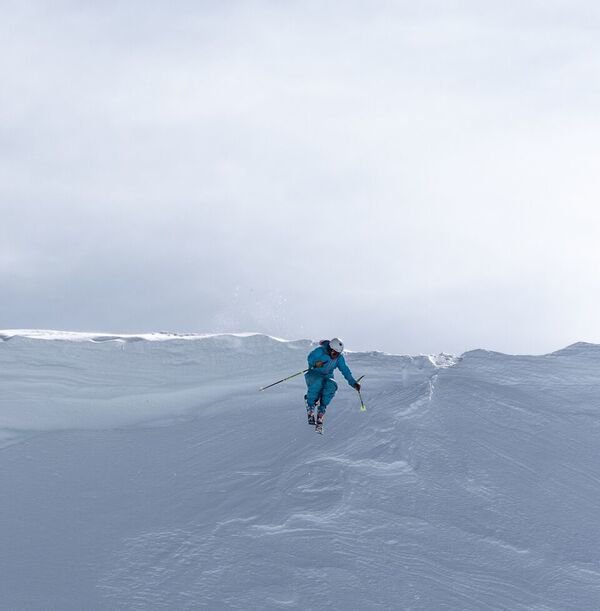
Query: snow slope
x=140 y=474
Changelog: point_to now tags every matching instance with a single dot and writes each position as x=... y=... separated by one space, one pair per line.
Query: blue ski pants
x=321 y=388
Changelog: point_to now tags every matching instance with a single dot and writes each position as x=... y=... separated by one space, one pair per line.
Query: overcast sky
x=411 y=176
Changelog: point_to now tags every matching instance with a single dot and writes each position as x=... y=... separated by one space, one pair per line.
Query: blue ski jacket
x=329 y=365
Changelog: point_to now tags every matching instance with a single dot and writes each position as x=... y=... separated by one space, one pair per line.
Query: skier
x=321 y=386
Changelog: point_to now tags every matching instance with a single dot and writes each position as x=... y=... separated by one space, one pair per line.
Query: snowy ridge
x=90 y=380
x=78 y=336
x=470 y=483
x=96 y=381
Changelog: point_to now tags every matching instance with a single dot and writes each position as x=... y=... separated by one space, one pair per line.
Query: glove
x=319 y=364
x=357 y=386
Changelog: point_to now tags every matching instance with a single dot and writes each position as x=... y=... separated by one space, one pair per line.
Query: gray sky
x=413 y=177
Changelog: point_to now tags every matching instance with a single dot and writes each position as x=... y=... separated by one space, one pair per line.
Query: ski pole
x=363 y=407
x=284 y=379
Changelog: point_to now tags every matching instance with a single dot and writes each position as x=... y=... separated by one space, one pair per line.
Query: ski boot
x=310 y=411
x=319 y=424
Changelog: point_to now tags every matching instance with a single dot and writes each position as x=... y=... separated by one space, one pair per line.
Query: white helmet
x=336 y=344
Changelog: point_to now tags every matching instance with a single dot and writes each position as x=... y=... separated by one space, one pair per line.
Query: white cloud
x=306 y=166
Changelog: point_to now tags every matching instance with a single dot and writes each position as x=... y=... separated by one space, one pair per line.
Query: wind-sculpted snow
x=83 y=380
x=470 y=483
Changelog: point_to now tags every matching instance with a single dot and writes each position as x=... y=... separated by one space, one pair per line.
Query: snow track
x=165 y=480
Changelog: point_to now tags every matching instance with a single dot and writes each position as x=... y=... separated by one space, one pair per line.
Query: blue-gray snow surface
x=148 y=472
